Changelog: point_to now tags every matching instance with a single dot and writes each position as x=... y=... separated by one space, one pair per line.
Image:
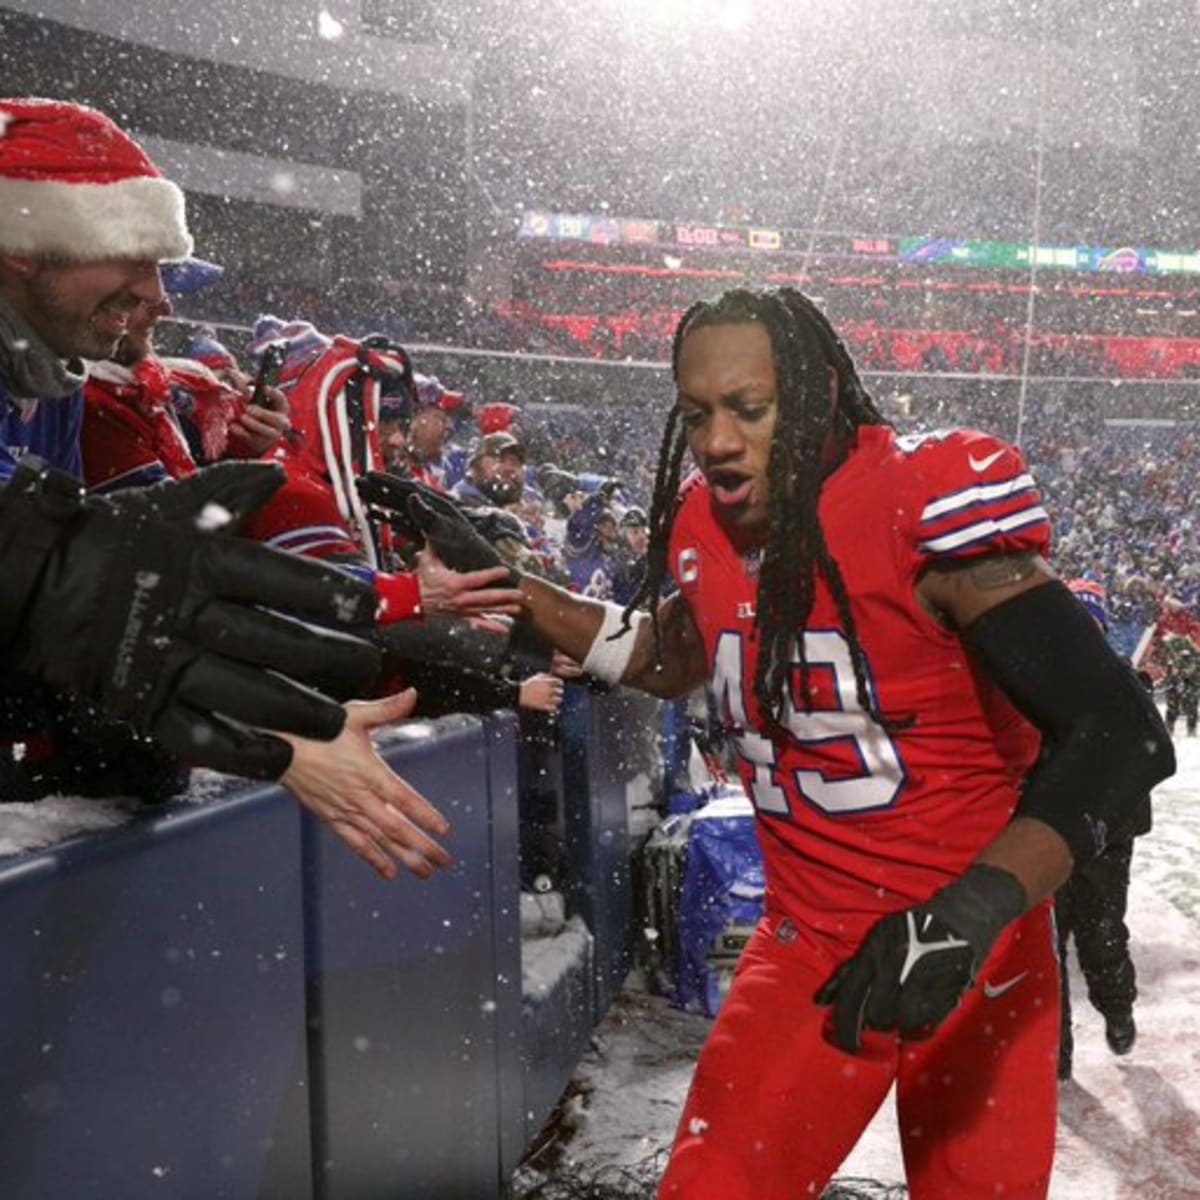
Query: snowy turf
x=1129 y=1128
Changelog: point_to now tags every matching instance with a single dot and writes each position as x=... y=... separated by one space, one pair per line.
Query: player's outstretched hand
x=346 y=784
x=143 y=603
x=915 y=966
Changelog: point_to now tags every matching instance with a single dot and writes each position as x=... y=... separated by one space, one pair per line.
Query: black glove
x=138 y=603
x=496 y=524
x=389 y=495
x=915 y=966
x=455 y=540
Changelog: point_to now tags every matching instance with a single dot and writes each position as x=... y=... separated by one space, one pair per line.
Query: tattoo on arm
x=989 y=574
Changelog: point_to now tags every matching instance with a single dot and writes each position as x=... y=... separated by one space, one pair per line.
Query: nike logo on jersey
x=982 y=464
x=995 y=990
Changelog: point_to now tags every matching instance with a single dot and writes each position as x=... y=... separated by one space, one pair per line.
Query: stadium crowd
x=973 y=323
x=363 y=435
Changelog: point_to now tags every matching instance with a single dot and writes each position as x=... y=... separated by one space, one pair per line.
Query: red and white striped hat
x=72 y=184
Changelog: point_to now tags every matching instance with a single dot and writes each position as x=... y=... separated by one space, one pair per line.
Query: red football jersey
x=856 y=821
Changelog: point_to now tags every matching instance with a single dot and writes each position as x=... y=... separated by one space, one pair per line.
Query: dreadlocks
x=807 y=354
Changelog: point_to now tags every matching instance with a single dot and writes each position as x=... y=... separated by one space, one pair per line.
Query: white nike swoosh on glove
x=982 y=464
x=994 y=990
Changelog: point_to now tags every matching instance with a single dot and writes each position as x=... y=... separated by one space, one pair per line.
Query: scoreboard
x=1015 y=256
x=681 y=235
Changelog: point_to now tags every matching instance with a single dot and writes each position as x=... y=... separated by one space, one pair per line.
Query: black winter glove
x=915 y=966
x=496 y=524
x=139 y=603
x=453 y=538
x=389 y=495
x=429 y=516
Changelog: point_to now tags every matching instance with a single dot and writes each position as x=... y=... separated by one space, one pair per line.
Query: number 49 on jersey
x=838 y=729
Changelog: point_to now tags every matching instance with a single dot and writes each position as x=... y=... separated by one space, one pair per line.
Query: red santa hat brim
x=138 y=218
x=76 y=185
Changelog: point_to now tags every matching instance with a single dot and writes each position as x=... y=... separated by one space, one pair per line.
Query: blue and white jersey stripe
x=306 y=538
x=976 y=496
x=985 y=531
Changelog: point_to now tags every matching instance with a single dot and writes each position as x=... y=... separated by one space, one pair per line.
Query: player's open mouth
x=730 y=488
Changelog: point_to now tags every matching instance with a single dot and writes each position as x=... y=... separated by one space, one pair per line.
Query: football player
x=877 y=623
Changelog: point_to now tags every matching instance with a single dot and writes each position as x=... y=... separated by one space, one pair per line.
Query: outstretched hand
x=465 y=594
x=348 y=786
x=542 y=693
x=565 y=667
x=144 y=603
x=451 y=535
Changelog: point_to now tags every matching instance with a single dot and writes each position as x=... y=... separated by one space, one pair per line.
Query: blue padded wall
x=151 y=1010
x=604 y=747
x=501 y=730
x=403 y=1003
x=219 y=1001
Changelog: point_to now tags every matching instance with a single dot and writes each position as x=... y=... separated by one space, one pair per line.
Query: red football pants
x=775 y=1108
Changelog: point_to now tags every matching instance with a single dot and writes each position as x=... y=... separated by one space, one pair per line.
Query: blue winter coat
x=52 y=432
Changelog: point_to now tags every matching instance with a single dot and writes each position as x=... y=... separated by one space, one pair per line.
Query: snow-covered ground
x=1129 y=1128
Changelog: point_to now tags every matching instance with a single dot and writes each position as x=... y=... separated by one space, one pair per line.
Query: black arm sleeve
x=1105 y=744
x=457 y=644
x=442 y=688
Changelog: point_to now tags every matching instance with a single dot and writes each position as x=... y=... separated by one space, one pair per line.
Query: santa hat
x=72 y=184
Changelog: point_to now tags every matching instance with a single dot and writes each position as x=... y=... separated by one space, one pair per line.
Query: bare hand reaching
x=352 y=790
x=464 y=594
x=544 y=693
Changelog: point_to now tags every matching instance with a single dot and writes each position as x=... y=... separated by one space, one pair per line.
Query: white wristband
x=611 y=650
